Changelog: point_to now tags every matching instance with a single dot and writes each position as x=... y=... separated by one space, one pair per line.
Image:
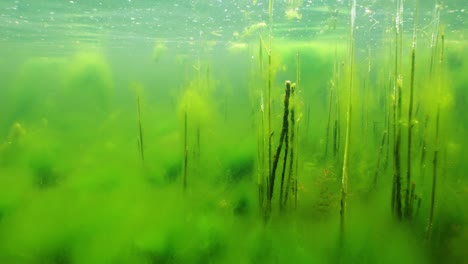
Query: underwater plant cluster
x=241 y=132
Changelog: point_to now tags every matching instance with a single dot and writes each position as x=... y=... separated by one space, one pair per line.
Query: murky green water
x=156 y=132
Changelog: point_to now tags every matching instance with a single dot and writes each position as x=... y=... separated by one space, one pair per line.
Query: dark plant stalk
x=411 y=203
x=262 y=142
x=408 y=163
x=338 y=136
x=387 y=137
x=198 y=148
x=396 y=189
x=260 y=169
x=284 y=131
x=436 y=153
x=270 y=77
x=308 y=119
x=418 y=199
x=422 y=163
x=394 y=128
x=285 y=162
x=344 y=177
x=379 y=157
x=388 y=122
x=140 y=128
x=408 y=199
x=338 y=114
x=186 y=152
x=434 y=177
x=397 y=159
x=335 y=138
x=270 y=132
x=296 y=176
x=291 y=160
x=328 y=121
x=387 y=148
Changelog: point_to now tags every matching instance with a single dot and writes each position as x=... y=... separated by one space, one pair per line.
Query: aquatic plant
x=186 y=151
x=251 y=30
x=410 y=186
x=88 y=80
x=435 y=160
x=292 y=9
x=138 y=89
x=21 y=97
x=282 y=140
x=379 y=156
x=196 y=110
x=10 y=147
x=291 y=183
x=213 y=141
x=269 y=100
x=344 y=176
x=397 y=102
x=160 y=48
x=435 y=74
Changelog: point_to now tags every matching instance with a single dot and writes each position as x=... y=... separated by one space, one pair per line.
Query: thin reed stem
x=408 y=198
x=270 y=77
x=379 y=157
x=140 y=130
x=284 y=131
x=186 y=151
x=435 y=160
x=344 y=177
x=291 y=160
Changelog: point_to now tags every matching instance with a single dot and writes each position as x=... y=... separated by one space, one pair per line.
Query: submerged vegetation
x=259 y=149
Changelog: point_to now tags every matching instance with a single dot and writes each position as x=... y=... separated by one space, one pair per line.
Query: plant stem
x=186 y=152
x=409 y=199
x=379 y=157
x=328 y=121
x=284 y=131
x=285 y=160
x=396 y=189
x=434 y=177
x=422 y=162
x=436 y=152
x=291 y=160
x=344 y=177
x=270 y=77
x=262 y=141
x=140 y=128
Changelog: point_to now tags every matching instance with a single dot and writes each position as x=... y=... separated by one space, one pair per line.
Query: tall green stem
x=185 y=151
x=140 y=130
x=408 y=198
x=283 y=136
x=344 y=177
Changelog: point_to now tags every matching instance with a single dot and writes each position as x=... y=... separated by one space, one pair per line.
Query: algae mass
x=233 y=131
